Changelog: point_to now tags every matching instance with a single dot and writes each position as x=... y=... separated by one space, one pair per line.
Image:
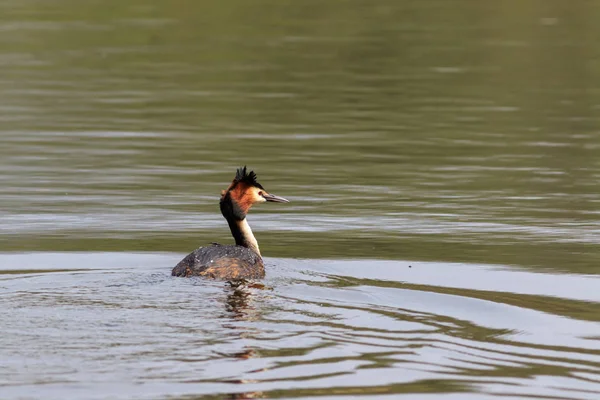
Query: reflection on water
x=123 y=327
x=459 y=135
x=406 y=130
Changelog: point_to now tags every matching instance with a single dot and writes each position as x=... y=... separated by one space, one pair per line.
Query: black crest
x=249 y=177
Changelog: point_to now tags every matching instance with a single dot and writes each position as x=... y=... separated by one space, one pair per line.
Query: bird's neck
x=241 y=232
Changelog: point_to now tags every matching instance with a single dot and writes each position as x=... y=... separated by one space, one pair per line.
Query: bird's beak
x=273 y=198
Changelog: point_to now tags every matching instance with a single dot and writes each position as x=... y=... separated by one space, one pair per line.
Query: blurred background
x=428 y=130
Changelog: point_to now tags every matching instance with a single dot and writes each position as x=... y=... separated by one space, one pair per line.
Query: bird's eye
x=260 y=193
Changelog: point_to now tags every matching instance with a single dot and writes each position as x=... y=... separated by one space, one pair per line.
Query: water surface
x=115 y=325
x=442 y=159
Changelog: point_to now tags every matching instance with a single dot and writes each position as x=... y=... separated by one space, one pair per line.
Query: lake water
x=442 y=159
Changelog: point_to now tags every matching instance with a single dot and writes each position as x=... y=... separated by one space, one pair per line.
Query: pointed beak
x=273 y=198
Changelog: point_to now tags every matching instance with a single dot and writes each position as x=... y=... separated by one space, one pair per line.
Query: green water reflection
x=432 y=130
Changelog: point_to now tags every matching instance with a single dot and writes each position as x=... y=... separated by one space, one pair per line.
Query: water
x=101 y=325
x=442 y=159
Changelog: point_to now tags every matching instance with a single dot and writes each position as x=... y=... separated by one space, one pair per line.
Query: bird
x=243 y=260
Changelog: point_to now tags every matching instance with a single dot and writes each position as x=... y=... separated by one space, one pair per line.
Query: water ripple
x=309 y=330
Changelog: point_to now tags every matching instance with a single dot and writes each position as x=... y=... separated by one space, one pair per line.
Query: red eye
x=260 y=193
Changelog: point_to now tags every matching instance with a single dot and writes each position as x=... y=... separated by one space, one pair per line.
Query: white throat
x=248 y=235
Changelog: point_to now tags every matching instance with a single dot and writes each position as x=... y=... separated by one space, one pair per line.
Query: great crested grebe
x=239 y=261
